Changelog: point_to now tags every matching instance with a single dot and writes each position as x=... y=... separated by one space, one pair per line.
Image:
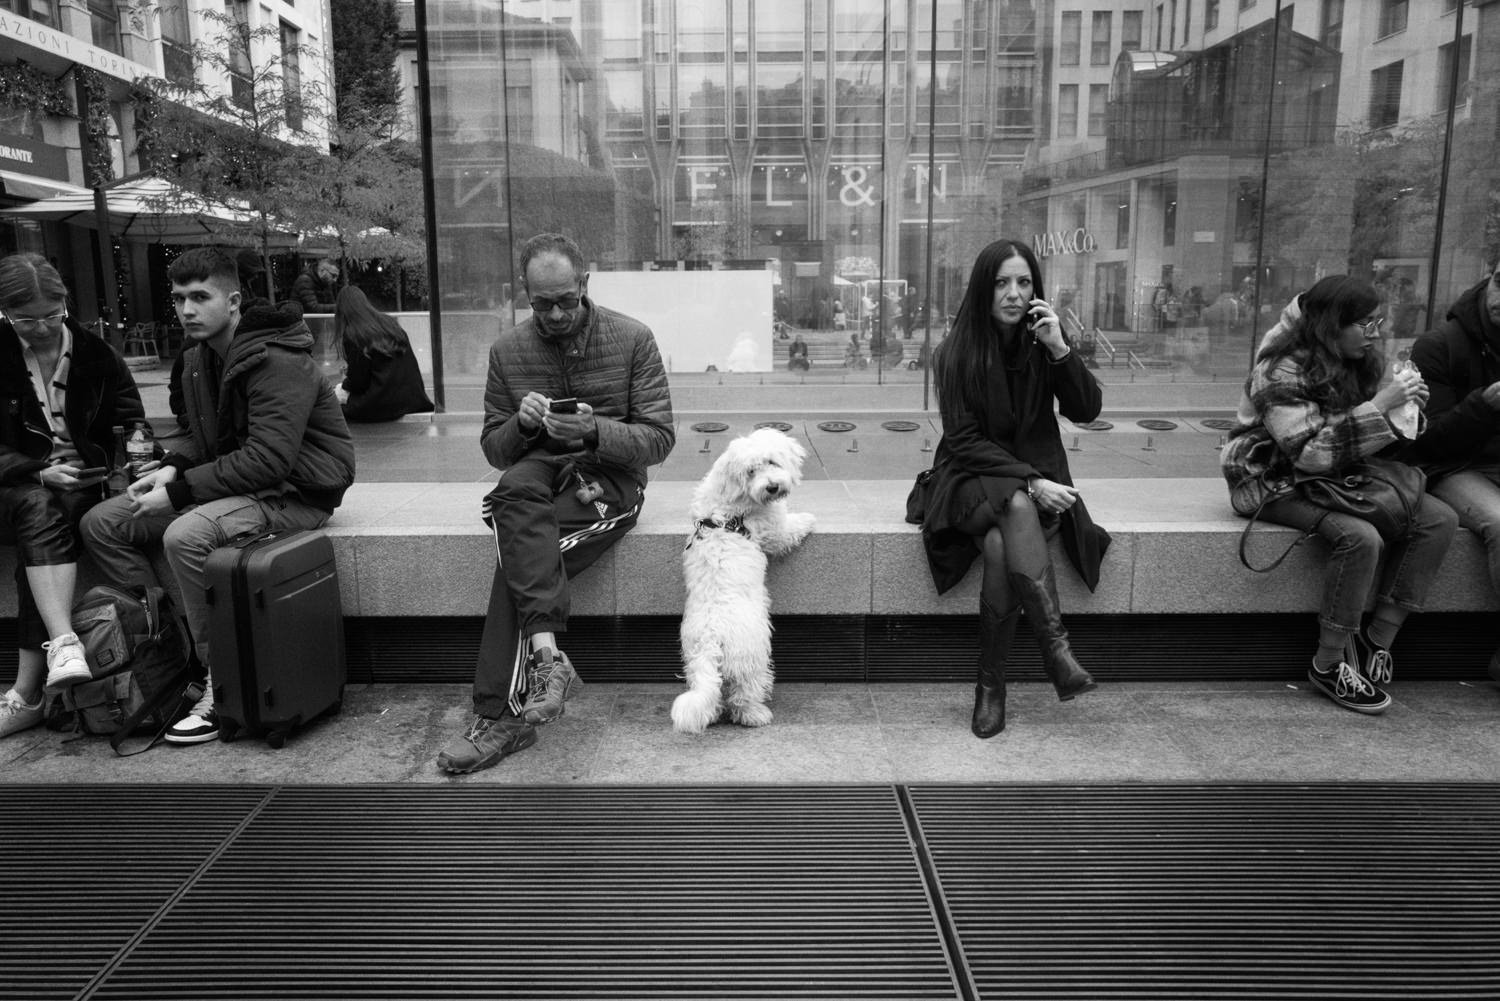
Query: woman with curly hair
x=1000 y=485
x=1313 y=404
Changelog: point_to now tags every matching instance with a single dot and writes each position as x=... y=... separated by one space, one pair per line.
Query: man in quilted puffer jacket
x=572 y=482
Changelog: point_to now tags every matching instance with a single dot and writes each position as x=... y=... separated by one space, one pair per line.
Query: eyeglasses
x=1370 y=327
x=567 y=303
x=35 y=323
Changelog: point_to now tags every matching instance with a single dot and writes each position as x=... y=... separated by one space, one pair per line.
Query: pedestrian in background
x=382 y=381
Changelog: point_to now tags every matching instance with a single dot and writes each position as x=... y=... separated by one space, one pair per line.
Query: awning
x=26 y=186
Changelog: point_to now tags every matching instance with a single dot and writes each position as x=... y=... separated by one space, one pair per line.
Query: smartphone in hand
x=565 y=405
x=92 y=472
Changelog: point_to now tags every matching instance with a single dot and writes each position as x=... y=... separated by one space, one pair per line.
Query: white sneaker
x=16 y=715
x=199 y=726
x=66 y=665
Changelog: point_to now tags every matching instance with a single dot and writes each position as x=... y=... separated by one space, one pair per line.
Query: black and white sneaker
x=1349 y=688
x=1375 y=663
x=198 y=727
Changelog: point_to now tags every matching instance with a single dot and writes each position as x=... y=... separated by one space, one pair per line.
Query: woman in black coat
x=1000 y=484
x=382 y=381
x=63 y=391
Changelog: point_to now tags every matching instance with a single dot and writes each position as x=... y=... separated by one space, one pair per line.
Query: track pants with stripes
x=544 y=536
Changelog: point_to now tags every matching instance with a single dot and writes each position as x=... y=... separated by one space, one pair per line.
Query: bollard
x=1150 y=445
x=705 y=449
x=927 y=444
x=853 y=445
x=1075 y=447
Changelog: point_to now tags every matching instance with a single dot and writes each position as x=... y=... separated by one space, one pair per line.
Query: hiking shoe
x=1350 y=689
x=198 y=727
x=16 y=715
x=548 y=687
x=486 y=742
x=66 y=665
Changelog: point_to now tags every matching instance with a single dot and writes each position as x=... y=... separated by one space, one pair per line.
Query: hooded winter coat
x=1459 y=360
x=101 y=395
x=611 y=363
x=269 y=426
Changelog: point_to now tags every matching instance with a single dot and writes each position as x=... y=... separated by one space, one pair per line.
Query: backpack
x=144 y=676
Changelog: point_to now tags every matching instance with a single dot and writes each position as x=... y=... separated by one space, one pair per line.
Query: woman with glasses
x=382 y=381
x=1000 y=486
x=1313 y=404
x=64 y=390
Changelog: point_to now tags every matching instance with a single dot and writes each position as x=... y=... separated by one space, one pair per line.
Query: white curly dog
x=740 y=517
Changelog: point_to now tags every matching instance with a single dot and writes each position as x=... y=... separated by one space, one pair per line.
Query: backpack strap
x=184 y=688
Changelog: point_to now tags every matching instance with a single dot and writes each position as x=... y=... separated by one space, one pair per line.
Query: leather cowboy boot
x=1039 y=598
x=996 y=630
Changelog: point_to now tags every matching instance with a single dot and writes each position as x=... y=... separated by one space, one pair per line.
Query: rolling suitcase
x=278 y=633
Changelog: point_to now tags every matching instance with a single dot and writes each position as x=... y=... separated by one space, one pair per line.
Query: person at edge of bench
x=1460 y=452
x=572 y=482
x=266 y=449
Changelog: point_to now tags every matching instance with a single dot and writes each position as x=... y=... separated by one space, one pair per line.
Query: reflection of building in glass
x=1177 y=194
x=789 y=132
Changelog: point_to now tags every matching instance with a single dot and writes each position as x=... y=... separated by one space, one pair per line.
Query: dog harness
x=735 y=524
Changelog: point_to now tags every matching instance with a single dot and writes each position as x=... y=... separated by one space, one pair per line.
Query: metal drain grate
x=1157 y=424
x=1198 y=892
x=92 y=865
x=710 y=427
x=835 y=426
x=1095 y=426
x=782 y=426
x=505 y=892
x=1219 y=423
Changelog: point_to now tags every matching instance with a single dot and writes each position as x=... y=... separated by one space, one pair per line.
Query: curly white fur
x=726 y=620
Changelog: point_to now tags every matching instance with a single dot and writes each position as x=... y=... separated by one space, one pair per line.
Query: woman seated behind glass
x=382 y=381
x=1312 y=405
x=1000 y=483
x=65 y=390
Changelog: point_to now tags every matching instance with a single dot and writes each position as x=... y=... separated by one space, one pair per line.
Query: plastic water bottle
x=140 y=447
x=1407 y=417
x=118 y=479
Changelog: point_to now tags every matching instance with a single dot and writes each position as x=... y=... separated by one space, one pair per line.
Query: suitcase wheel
x=276 y=739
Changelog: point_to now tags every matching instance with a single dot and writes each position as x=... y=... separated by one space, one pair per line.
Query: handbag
x=1383 y=492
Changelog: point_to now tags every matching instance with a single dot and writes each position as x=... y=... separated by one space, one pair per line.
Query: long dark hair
x=972 y=348
x=360 y=328
x=1332 y=304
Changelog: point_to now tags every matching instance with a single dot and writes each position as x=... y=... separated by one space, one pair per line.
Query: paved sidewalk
x=618 y=734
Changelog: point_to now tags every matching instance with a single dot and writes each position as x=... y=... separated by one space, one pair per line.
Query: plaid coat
x=1283 y=430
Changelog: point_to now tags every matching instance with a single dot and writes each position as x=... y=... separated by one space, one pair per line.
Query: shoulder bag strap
x=183 y=688
x=1245 y=535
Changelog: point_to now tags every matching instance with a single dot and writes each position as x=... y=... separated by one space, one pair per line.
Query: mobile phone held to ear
x=566 y=405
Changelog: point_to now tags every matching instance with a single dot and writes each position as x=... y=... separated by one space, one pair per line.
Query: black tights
x=1012 y=542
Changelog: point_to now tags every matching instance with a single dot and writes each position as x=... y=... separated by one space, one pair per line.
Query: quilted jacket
x=612 y=364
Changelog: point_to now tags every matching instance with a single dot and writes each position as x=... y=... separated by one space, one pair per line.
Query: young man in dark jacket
x=1460 y=450
x=576 y=408
x=313 y=288
x=266 y=448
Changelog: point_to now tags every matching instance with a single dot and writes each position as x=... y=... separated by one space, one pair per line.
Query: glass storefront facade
x=741 y=173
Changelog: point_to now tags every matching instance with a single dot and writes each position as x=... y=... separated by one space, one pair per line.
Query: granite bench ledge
x=419 y=549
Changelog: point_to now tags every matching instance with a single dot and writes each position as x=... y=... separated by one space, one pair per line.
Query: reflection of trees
x=713 y=236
